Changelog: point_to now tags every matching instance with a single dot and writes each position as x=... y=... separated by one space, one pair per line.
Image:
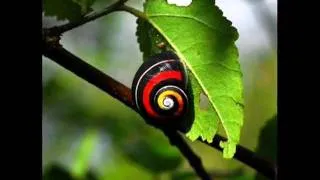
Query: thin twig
x=58 y=54
x=57 y=30
x=247 y=157
x=193 y=159
x=55 y=52
x=89 y=73
x=133 y=11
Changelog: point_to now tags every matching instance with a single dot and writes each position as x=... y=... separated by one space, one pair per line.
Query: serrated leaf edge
x=191 y=69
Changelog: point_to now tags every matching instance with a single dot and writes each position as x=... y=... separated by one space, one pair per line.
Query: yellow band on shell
x=164 y=94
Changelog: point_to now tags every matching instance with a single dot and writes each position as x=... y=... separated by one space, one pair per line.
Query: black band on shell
x=157 y=64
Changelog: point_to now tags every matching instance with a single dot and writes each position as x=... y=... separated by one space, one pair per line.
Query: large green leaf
x=205 y=40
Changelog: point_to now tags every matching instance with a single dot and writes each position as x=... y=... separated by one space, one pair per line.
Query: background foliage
x=89 y=135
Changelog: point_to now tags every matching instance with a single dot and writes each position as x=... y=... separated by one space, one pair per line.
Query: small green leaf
x=62 y=9
x=144 y=39
x=205 y=40
x=84 y=153
x=149 y=39
x=71 y=10
x=267 y=146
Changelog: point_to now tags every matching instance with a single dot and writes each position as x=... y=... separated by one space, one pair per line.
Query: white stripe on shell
x=137 y=86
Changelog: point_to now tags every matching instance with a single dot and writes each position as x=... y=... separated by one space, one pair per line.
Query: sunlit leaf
x=205 y=41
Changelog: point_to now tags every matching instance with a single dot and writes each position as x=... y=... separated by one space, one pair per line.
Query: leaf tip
x=191 y=136
x=209 y=140
x=229 y=149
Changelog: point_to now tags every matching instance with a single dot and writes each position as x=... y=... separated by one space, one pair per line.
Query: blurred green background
x=89 y=135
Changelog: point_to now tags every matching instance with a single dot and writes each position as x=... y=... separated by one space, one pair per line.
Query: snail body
x=159 y=89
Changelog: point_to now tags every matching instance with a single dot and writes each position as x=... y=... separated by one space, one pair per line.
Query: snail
x=160 y=89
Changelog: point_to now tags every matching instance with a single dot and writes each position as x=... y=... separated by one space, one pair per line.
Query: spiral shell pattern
x=159 y=87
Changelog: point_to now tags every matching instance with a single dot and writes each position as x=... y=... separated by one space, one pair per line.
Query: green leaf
x=84 y=153
x=71 y=10
x=144 y=38
x=149 y=39
x=203 y=124
x=205 y=40
x=267 y=147
x=85 y=5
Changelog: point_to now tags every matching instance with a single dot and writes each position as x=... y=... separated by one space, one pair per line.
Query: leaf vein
x=189 y=17
x=180 y=54
x=191 y=69
x=220 y=64
x=232 y=98
x=216 y=62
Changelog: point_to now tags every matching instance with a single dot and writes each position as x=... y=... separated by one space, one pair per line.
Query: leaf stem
x=57 y=30
x=133 y=11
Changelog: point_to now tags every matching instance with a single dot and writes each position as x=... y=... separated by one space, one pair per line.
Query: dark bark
x=64 y=58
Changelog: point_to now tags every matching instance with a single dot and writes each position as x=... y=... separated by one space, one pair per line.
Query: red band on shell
x=153 y=82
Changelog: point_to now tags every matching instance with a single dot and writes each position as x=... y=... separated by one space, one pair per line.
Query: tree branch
x=247 y=157
x=57 y=30
x=89 y=73
x=195 y=162
x=53 y=50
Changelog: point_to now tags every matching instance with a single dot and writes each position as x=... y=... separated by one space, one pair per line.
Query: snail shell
x=160 y=88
